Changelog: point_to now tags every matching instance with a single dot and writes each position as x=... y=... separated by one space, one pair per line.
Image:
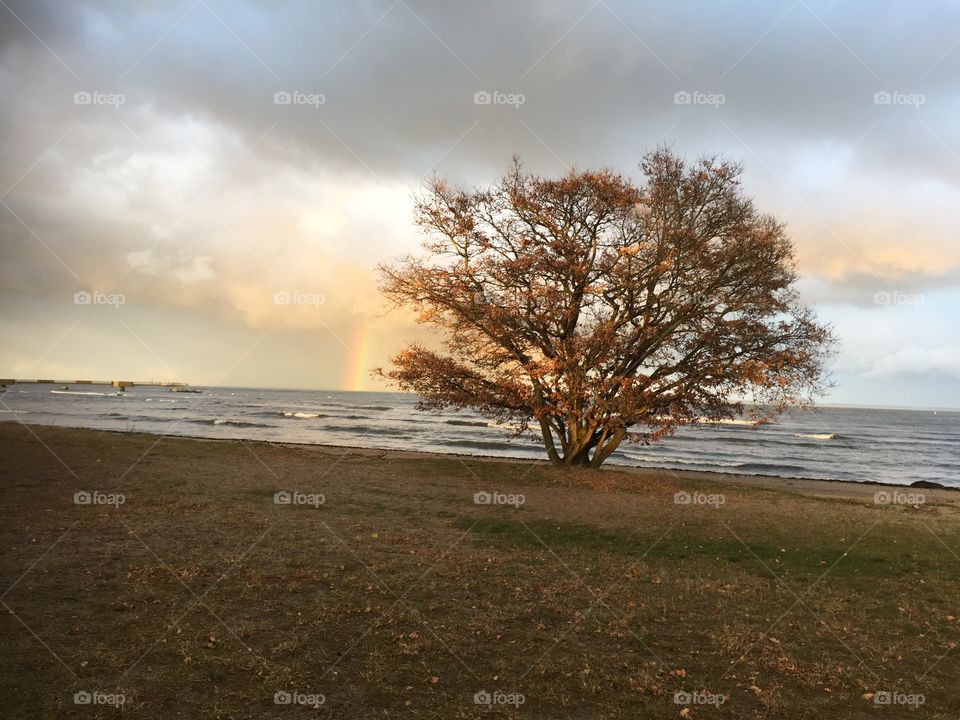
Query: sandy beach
x=387 y=584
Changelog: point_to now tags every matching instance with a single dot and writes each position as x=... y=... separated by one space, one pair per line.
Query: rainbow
x=357 y=371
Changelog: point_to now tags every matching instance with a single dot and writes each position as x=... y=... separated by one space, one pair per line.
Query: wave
x=816 y=436
x=301 y=415
x=466 y=423
x=84 y=392
x=348 y=406
x=772 y=468
x=722 y=438
x=480 y=445
x=725 y=421
x=363 y=429
x=229 y=423
x=681 y=461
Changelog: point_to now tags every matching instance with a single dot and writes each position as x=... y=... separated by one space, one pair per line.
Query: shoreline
x=807 y=486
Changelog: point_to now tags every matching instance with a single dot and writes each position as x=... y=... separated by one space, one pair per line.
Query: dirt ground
x=150 y=577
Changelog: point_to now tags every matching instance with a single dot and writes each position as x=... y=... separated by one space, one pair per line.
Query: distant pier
x=122 y=384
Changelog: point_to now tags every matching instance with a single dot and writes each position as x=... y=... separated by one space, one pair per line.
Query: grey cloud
x=603 y=90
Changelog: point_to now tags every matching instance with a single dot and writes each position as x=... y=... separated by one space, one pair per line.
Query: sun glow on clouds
x=206 y=226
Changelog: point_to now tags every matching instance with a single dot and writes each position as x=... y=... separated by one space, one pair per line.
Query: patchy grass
x=199 y=597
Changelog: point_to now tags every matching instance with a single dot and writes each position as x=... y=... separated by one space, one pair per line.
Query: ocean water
x=854 y=444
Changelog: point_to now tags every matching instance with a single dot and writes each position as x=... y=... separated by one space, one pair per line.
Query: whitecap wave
x=816 y=436
x=82 y=392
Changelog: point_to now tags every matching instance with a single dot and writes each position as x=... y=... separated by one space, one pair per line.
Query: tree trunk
x=580 y=440
x=548 y=442
x=604 y=451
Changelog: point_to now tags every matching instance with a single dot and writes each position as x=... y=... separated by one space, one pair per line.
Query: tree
x=599 y=310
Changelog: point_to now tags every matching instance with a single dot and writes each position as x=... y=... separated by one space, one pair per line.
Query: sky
x=200 y=190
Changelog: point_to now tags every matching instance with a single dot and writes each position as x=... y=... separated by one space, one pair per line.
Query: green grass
x=765 y=559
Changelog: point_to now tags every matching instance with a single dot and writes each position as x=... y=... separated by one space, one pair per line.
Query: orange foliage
x=600 y=310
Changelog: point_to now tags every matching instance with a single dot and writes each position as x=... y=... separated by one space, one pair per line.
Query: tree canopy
x=596 y=309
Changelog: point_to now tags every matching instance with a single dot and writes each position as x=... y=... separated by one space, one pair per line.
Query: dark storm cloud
x=598 y=79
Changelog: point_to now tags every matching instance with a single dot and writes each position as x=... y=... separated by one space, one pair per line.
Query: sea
x=895 y=446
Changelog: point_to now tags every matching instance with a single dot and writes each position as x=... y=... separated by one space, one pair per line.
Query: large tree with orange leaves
x=596 y=309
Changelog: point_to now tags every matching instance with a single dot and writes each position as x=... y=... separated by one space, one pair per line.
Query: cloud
x=200 y=194
x=913 y=360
